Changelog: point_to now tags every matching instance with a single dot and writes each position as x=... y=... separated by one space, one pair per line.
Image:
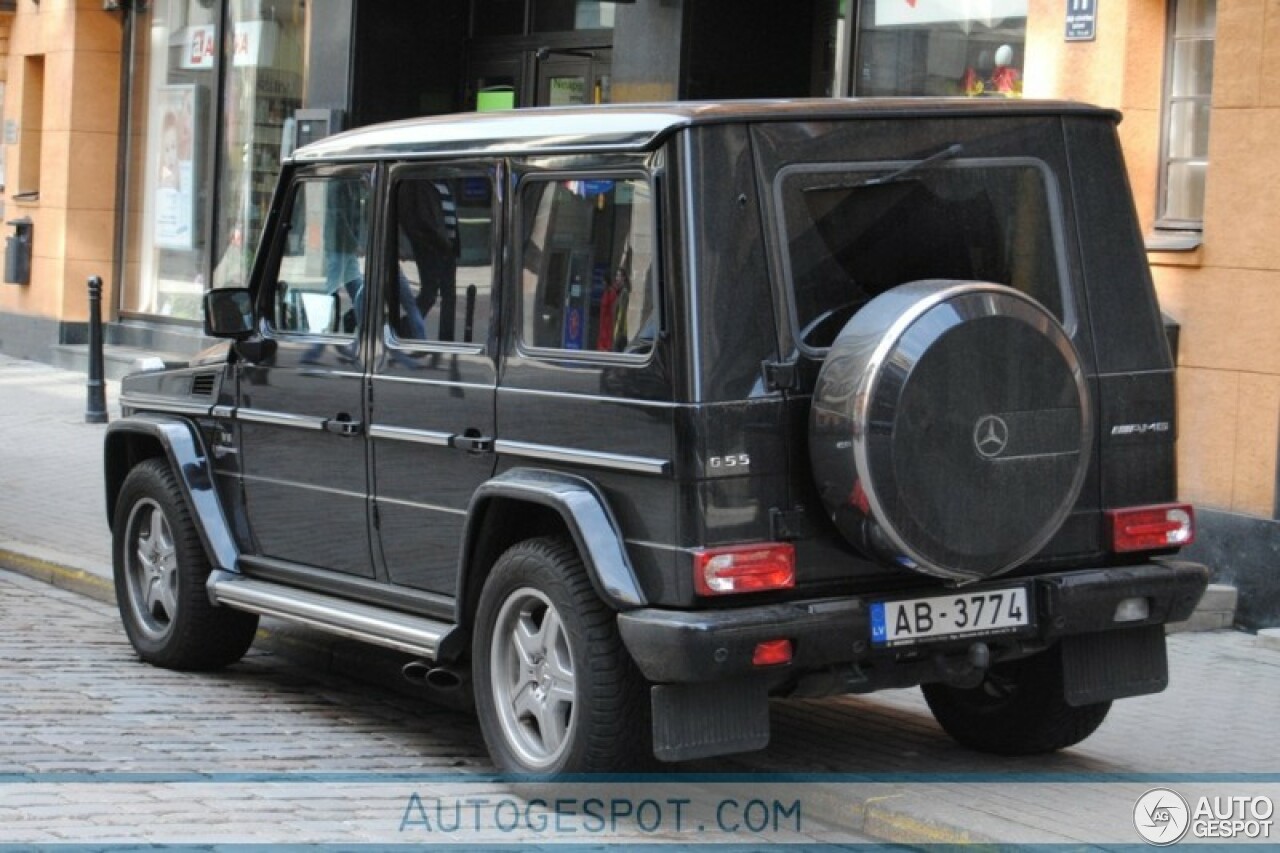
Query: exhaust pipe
x=415 y=671
x=445 y=678
x=442 y=678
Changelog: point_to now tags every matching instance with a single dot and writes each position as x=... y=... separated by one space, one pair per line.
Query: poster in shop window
x=175 y=197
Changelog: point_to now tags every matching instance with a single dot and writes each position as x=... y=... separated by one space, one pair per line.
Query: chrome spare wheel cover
x=151 y=569
x=531 y=675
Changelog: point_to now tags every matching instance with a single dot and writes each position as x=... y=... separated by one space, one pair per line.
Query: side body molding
x=190 y=463
x=585 y=513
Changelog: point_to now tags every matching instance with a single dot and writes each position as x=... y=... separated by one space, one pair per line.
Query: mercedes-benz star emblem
x=990 y=436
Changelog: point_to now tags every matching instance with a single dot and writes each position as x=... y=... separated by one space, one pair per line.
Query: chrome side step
x=404 y=632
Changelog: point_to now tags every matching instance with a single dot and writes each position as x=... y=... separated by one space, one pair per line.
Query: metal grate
x=202 y=384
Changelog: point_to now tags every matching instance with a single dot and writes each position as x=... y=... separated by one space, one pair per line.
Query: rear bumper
x=686 y=647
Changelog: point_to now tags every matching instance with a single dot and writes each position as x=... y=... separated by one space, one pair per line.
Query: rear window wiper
x=947 y=153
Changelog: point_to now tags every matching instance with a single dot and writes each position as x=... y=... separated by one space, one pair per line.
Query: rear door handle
x=344 y=426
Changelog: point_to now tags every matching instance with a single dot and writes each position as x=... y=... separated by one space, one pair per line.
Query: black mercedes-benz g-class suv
x=641 y=415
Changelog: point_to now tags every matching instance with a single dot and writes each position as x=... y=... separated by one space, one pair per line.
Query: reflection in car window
x=319 y=284
x=588 y=265
x=851 y=236
x=444 y=263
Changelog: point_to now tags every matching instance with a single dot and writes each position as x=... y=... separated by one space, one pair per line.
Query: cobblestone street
x=75 y=698
x=97 y=747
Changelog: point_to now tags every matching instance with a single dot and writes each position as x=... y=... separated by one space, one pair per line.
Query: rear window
x=854 y=230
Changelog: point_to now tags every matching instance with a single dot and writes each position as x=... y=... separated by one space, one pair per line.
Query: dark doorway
x=747 y=49
x=409 y=59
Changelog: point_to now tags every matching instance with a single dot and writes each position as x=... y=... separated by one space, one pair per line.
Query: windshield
x=852 y=231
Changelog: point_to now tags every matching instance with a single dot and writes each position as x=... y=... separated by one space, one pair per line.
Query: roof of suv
x=629 y=127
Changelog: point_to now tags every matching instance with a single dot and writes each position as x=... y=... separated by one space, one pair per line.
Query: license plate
x=962 y=614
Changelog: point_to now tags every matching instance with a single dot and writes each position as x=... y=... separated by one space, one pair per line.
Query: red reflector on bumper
x=1148 y=528
x=744 y=568
x=772 y=653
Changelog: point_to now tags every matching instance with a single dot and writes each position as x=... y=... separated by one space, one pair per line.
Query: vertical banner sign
x=1082 y=20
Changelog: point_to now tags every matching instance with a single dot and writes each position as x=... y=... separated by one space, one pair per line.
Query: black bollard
x=95 y=411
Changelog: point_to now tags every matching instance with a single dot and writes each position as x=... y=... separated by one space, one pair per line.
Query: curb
x=877 y=817
x=55 y=574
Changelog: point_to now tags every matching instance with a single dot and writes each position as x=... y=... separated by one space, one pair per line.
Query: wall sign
x=1082 y=20
x=201 y=46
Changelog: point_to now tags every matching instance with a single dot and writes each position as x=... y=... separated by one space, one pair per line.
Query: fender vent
x=202 y=384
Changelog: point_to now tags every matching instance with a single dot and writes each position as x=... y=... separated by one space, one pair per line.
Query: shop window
x=196 y=199
x=169 y=161
x=1188 y=86
x=263 y=54
x=588 y=265
x=939 y=48
x=443 y=270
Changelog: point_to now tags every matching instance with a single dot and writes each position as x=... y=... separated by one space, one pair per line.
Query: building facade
x=141 y=140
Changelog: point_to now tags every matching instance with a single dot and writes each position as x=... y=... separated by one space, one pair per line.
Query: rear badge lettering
x=1141 y=429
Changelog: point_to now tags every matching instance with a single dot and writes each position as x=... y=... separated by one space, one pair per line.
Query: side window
x=589 y=265
x=319 y=281
x=444 y=222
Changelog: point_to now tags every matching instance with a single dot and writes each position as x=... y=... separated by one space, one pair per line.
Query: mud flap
x=1114 y=665
x=716 y=718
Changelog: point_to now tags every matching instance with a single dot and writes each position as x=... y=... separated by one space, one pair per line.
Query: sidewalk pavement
x=1215 y=725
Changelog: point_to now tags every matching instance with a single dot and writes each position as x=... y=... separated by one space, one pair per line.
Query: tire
x=160 y=571
x=950 y=429
x=1018 y=710
x=556 y=691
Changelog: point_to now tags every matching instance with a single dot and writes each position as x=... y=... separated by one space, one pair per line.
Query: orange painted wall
x=74 y=216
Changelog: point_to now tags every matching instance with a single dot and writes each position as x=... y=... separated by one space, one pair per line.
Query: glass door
x=566 y=79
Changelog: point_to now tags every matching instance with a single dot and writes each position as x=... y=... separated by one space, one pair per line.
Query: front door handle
x=344 y=426
x=472 y=442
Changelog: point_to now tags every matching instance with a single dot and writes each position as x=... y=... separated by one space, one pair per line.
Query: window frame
x=1053 y=201
x=389 y=295
x=1164 y=222
x=269 y=280
x=520 y=221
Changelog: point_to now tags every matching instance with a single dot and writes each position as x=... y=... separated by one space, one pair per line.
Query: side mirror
x=228 y=313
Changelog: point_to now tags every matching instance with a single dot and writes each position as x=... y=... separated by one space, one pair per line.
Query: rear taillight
x=1151 y=528
x=744 y=568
